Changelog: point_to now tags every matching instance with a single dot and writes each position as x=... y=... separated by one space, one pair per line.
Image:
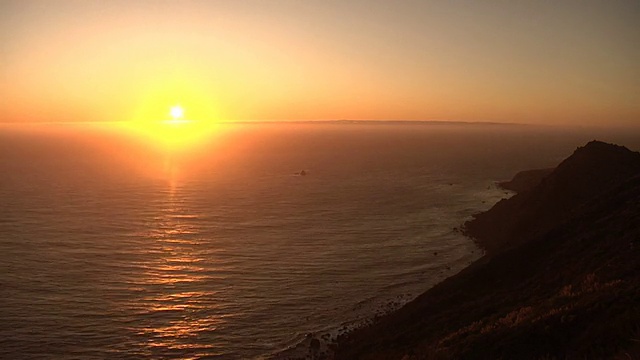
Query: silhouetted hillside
x=569 y=291
x=590 y=171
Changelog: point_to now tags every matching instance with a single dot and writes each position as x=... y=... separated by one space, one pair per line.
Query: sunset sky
x=550 y=62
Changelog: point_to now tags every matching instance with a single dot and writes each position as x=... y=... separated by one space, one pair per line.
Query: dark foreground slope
x=571 y=290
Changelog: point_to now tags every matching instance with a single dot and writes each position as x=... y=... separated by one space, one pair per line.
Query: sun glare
x=177 y=113
x=175 y=132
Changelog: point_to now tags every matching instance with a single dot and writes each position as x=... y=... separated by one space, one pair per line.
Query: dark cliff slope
x=590 y=171
x=572 y=291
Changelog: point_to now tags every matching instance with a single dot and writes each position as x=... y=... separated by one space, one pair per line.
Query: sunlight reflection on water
x=177 y=267
x=115 y=250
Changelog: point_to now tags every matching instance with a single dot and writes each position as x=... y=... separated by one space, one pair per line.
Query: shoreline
x=330 y=338
x=532 y=296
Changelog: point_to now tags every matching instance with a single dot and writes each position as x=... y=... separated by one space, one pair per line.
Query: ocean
x=113 y=247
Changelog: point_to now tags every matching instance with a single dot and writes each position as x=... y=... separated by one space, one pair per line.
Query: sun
x=177 y=112
x=175 y=132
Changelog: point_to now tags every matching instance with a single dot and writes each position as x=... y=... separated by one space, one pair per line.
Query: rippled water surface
x=113 y=248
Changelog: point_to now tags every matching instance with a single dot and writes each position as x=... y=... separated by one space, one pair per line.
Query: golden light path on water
x=179 y=309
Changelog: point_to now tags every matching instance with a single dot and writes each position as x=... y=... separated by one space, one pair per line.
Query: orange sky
x=569 y=62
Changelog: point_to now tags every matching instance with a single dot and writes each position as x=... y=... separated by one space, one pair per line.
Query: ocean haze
x=112 y=248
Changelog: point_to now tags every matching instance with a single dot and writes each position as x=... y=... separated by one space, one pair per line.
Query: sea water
x=116 y=248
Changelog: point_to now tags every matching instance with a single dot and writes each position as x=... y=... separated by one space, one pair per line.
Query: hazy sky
x=574 y=62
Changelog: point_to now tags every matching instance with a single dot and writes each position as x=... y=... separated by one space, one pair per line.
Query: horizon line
x=333 y=121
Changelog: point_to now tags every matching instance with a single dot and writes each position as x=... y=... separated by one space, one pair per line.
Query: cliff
x=589 y=172
x=561 y=278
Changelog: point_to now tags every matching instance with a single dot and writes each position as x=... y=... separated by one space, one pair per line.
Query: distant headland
x=560 y=279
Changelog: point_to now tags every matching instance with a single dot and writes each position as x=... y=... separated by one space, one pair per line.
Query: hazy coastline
x=448 y=322
x=352 y=180
x=224 y=210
